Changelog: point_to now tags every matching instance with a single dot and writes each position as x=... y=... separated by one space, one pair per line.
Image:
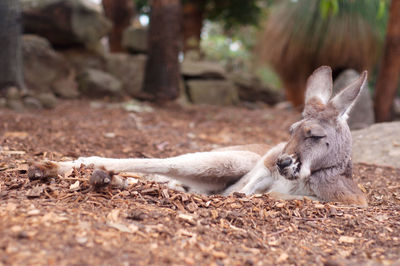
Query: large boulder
x=128 y=69
x=216 y=92
x=202 y=70
x=362 y=113
x=96 y=83
x=251 y=89
x=45 y=70
x=134 y=39
x=378 y=144
x=65 y=23
x=82 y=59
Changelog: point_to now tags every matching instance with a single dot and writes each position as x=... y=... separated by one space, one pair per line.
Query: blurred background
x=220 y=52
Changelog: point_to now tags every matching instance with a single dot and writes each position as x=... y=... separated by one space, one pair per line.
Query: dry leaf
x=284 y=256
x=16 y=134
x=74 y=186
x=119 y=227
x=110 y=135
x=35 y=192
x=187 y=218
x=113 y=215
x=13 y=152
x=219 y=254
x=347 y=239
x=68 y=173
x=33 y=212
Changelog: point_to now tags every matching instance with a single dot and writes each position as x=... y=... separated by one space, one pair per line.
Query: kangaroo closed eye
x=315 y=137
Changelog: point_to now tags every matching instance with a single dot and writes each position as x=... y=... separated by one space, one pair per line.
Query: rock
x=396 y=108
x=377 y=144
x=35 y=192
x=46 y=70
x=65 y=23
x=66 y=87
x=47 y=100
x=96 y=83
x=12 y=93
x=3 y=102
x=218 y=92
x=82 y=59
x=134 y=39
x=15 y=105
x=193 y=55
x=202 y=69
x=362 y=114
x=137 y=107
x=32 y=103
x=128 y=69
x=252 y=90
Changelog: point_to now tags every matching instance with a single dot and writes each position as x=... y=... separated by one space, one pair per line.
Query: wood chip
x=119 y=226
x=74 y=186
x=347 y=239
x=283 y=257
x=186 y=218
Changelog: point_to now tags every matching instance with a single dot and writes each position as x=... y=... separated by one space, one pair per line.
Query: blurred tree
x=193 y=15
x=302 y=35
x=120 y=13
x=230 y=13
x=388 y=78
x=10 y=46
x=162 y=74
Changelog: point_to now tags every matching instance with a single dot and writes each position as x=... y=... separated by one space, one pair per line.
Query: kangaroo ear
x=319 y=85
x=344 y=101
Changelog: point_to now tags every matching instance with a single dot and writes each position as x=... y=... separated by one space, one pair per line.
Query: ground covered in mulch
x=65 y=222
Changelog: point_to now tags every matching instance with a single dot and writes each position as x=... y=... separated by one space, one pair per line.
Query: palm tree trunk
x=120 y=13
x=10 y=45
x=193 y=14
x=161 y=80
x=388 y=78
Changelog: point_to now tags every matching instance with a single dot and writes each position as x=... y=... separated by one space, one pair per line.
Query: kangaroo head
x=322 y=139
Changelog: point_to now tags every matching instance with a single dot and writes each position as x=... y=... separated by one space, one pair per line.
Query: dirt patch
x=63 y=221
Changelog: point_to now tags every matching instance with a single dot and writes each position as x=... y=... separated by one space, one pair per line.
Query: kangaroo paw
x=100 y=178
x=39 y=171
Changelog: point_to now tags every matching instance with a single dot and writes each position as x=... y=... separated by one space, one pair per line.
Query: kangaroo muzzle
x=284 y=162
x=288 y=166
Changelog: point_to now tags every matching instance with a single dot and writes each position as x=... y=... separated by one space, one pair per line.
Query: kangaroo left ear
x=344 y=101
x=319 y=85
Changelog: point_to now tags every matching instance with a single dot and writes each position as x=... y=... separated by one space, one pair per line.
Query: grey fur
x=315 y=162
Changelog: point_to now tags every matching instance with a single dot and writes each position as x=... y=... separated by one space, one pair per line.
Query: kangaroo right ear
x=344 y=101
x=319 y=85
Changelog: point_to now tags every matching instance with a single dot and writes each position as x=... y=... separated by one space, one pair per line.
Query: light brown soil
x=65 y=222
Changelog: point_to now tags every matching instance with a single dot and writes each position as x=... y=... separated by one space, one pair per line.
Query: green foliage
x=234 y=12
x=373 y=11
x=218 y=47
x=328 y=7
x=268 y=77
x=142 y=6
x=230 y=13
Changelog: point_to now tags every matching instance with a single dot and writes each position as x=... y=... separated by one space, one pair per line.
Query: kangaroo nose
x=284 y=162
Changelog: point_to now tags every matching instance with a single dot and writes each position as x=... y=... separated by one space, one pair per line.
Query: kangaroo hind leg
x=210 y=171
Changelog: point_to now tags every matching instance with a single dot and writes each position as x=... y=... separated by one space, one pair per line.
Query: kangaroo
x=314 y=163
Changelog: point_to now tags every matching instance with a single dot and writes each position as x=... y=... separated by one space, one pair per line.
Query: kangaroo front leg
x=262 y=177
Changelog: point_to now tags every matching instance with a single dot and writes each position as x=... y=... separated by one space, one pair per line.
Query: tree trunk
x=10 y=45
x=193 y=14
x=161 y=80
x=388 y=78
x=120 y=13
x=295 y=91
